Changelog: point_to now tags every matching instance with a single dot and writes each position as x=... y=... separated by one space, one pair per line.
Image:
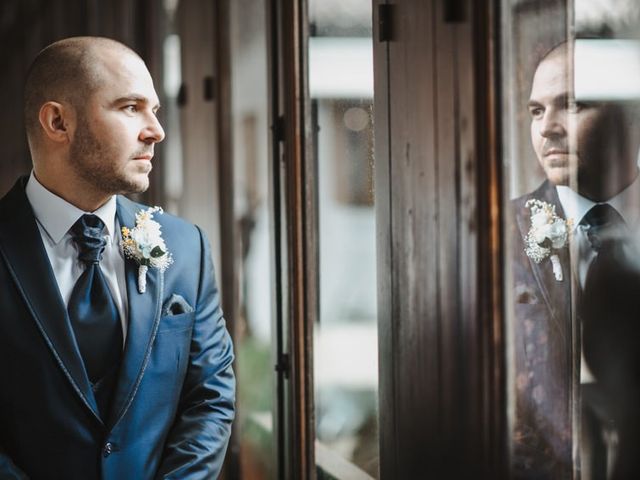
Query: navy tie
x=92 y=310
x=605 y=227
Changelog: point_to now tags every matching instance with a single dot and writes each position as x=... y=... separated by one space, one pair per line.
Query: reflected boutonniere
x=548 y=234
x=144 y=244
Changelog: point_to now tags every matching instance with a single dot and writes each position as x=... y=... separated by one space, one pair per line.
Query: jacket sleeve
x=196 y=444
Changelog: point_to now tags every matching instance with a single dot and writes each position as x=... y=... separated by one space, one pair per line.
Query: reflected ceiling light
x=340 y=67
x=607 y=70
x=356 y=119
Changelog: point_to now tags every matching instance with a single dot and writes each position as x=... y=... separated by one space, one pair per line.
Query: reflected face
x=569 y=137
x=117 y=128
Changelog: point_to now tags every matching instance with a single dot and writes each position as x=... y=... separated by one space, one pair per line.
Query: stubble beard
x=558 y=175
x=96 y=163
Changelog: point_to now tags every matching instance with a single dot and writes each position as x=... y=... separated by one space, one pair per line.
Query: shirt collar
x=57 y=216
x=627 y=203
x=575 y=206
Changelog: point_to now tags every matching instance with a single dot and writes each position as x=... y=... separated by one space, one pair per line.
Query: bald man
x=578 y=377
x=115 y=362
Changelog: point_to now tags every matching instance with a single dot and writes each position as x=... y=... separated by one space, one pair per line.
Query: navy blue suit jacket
x=174 y=400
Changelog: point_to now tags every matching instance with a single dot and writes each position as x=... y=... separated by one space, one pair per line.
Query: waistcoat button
x=108 y=449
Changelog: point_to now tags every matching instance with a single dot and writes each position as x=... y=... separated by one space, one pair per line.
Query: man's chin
x=558 y=176
x=138 y=180
x=134 y=184
x=138 y=185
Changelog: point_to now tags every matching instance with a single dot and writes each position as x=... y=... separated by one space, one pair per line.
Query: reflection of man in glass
x=588 y=151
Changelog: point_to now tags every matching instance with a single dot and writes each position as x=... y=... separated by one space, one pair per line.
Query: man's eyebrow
x=135 y=98
x=560 y=99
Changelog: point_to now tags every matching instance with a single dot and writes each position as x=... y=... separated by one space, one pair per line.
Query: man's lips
x=147 y=156
x=555 y=151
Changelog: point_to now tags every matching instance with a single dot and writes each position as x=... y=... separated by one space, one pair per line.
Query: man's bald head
x=561 y=49
x=69 y=71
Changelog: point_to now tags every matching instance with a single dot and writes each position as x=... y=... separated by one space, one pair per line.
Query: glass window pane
x=345 y=350
x=572 y=99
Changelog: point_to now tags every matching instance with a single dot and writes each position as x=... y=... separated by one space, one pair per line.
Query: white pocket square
x=175 y=305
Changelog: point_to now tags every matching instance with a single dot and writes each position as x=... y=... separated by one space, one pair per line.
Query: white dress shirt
x=575 y=206
x=55 y=216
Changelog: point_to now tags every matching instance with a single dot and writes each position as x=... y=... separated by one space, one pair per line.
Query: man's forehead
x=121 y=64
x=551 y=77
x=125 y=76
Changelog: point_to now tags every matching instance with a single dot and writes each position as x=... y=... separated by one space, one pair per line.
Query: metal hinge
x=181 y=99
x=278 y=129
x=385 y=17
x=208 y=86
x=453 y=11
x=284 y=365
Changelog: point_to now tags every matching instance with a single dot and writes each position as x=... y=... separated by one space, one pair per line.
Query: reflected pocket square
x=525 y=294
x=175 y=306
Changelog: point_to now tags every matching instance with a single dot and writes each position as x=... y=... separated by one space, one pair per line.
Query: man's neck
x=604 y=190
x=86 y=199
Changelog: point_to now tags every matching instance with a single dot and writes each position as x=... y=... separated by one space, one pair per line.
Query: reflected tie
x=92 y=310
x=605 y=227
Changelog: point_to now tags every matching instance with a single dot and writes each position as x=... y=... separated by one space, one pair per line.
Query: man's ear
x=56 y=121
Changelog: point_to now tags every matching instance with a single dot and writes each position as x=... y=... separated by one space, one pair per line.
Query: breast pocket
x=169 y=356
x=176 y=323
x=526 y=294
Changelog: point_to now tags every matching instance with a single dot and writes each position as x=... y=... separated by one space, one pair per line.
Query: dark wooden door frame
x=295 y=253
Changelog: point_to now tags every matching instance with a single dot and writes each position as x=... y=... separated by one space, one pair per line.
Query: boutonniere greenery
x=547 y=235
x=144 y=244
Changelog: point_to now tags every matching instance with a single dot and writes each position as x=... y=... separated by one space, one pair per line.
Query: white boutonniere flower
x=144 y=244
x=548 y=234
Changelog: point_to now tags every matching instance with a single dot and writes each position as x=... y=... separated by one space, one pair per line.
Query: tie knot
x=88 y=235
x=604 y=224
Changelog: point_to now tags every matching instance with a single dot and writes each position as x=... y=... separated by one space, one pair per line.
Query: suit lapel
x=143 y=320
x=22 y=249
x=556 y=294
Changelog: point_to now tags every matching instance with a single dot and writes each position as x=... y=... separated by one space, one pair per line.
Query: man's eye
x=573 y=106
x=536 y=112
x=131 y=108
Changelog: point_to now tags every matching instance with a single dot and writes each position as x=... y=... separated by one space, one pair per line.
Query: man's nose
x=152 y=131
x=553 y=124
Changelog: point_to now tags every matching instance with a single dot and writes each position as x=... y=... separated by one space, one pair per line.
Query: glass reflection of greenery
x=255 y=398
